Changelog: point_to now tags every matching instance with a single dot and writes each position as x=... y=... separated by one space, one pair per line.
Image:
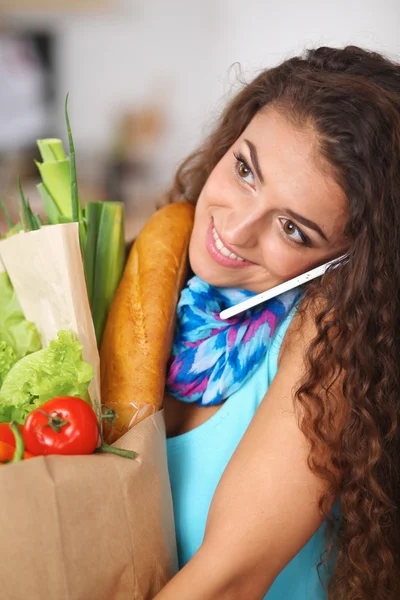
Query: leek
x=51 y=150
x=51 y=209
x=55 y=174
x=7 y=215
x=38 y=220
x=56 y=186
x=76 y=207
x=74 y=183
x=109 y=261
x=29 y=218
x=93 y=217
x=101 y=224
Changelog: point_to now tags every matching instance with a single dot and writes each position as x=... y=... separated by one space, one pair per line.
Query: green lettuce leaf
x=7 y=360
x=57 y=370
x=18 y=333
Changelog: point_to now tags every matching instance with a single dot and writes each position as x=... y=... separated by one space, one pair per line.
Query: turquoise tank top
x=196 y=461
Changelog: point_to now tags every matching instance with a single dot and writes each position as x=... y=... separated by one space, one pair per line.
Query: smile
x=223 y=249
x=220 y=253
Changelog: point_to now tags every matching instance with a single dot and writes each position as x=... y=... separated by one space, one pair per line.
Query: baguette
x=139 y=331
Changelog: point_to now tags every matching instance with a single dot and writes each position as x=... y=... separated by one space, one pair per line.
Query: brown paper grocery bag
x=96 y=527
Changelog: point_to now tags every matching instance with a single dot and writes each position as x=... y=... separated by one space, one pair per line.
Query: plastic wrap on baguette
x=138 y=336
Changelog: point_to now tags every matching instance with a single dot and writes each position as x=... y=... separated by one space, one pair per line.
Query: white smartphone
x=279 y=289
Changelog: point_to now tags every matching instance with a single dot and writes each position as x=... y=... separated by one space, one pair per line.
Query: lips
x=221 y=252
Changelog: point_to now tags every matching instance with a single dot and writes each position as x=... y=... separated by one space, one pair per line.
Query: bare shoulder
x=302 y=330
x=294 y=363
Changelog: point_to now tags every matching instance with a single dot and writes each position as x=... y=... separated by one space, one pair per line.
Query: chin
x=201 y=267
x=213 y=275
x=206 y=274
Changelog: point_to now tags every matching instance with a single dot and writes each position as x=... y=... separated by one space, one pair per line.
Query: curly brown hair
x=351 y=97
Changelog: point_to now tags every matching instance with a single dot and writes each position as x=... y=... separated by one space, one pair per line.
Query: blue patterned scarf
x=212 y=358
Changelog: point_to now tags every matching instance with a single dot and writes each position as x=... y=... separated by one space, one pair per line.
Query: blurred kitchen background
x=147 y=79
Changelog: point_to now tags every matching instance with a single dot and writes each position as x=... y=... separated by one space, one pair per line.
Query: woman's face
x=269 y=210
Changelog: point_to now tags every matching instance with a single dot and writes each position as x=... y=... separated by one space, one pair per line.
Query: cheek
x=201 y=220
x=282 y=260
x=197 y=246
x=218 y=189
x=216 y=193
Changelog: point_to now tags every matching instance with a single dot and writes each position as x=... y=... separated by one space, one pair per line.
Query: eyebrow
x=302 y=220
x=254 y=160
x=306 y=222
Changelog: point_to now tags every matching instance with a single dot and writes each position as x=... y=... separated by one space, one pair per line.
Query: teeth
x=222 y=248
x=224 y=251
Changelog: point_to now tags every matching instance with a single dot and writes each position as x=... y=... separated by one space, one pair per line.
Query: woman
x=285 y=466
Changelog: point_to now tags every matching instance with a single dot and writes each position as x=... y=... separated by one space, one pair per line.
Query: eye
x=293 y=232
x=243 y=170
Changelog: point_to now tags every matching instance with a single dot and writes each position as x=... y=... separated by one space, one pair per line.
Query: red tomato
x=6 y=435
x=63 y=425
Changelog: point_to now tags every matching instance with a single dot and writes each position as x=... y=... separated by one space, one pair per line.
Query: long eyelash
x=305 y=239
x=240 y=159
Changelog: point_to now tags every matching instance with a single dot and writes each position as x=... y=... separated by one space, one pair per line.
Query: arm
x=253 y=527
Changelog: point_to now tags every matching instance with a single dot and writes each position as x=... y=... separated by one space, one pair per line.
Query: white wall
x=181 y=51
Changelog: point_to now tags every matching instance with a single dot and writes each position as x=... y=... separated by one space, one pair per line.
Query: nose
x=243 y=227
